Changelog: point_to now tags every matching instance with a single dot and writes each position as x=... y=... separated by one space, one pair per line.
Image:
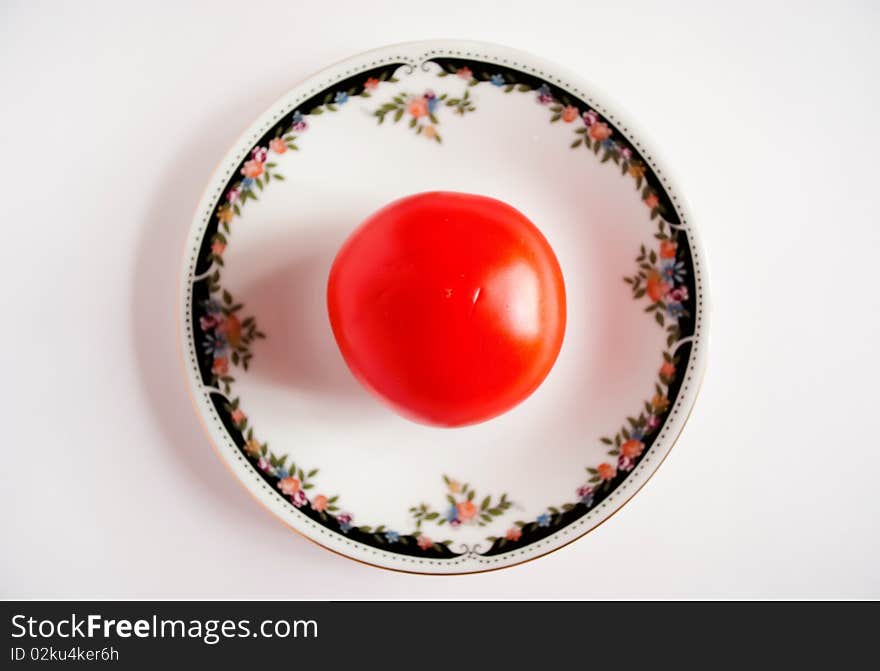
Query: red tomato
x=449 y=306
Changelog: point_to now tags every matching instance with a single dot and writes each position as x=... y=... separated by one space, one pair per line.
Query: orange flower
x=418 y=107
x=252 y=447
x=454 y=486
x=252 y=169
x=659 y=403
x=513 y=534
x=224 y=213
x=238 y=416
x=371 y=84
x=667 y=249
x=425 y=543
x=606 y=471
x=217 y=248
x=221 y=366
x=652 y=201
x=632 y=448
x=600 y=131
x=429 y=132
x=278 y=145
x=466 y=510
x=636 y=170
x=289 y=485
x=655 y=287
x=231 y=328
x=667 y=370
x=569 y=113
x=319 y=503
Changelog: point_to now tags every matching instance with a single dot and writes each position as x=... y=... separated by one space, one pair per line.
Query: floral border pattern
x=660 y=276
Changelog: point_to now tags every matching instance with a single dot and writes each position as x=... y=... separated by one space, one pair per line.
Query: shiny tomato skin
x=449 y=306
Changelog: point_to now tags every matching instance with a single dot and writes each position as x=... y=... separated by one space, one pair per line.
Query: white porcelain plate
x=316 y=449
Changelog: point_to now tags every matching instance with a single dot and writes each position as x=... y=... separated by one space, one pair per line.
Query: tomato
x=449 y=306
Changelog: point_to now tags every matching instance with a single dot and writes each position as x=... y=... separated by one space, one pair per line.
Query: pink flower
x=300 y=126
x=464 y=73
x=209 y=322
x=289 y=485
x=513 y=534
x=264 y=465
x=418 y=107
x=217 y=248
x=232 y=195
x=590 y=117
x=319 y=503
x=371 y=85
x=626 y=153
x=252 y=169
x=584 y=490
x=238 y=416
x=679 y=294
x=653 y=421
x=625 y=464
x=425 y=543
x=259 y=154
x=220 y=366
x=299 y=498
x=278 y=145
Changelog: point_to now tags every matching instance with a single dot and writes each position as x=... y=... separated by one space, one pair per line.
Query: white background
x=112 y=117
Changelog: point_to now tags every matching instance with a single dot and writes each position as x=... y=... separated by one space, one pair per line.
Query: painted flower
x=233 y=195
x=224 y=214
x=319 y=503
x=659 y=403
x=299 y=498
x=544 y=95
x=655 y=287
x=626 y=153
x=674 y=310
x=679 y=294
x=392 y=536
x=417 y=107
x=466 y=510
x=497 y=80
x=632 y=448
x=454 y=486
x=569 y=113
x=672 y=271
x=651 y=201
x=590 y=117
x=259 y=154
x=606 y=471
x=653 y=422
x=253 y=448
x=430 y=132
x=247 y=184
x=344 y=520
x=452 y=514
x=609 y=145
x=667 y=249
x=371 y=84
x=667 y=370
x=208 y=322
x=636 y=170
x=543 y=520
x=465 y=73
x=220 y=366
x=513 y=534
x=625 y=464
x=298 y=122
x=289 y=485
x=425 y=543
x=278 y=145
x=217 y=248
x=264 y=465
x=432 y=100
x=341 y=98
x=585 y=494
x=599 y=131
x=230 y=327
x=214 y=345
x=238 y=417
x=252 y=169
x=281 y=472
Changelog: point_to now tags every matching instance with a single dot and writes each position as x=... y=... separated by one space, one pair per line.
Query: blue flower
x=247 y=183
x=637 y=434
x=341 y=98
x=345 y=527
x=608 y=144
x=433 y=101
x=498 y=80
x=587 y=499
x=543 y=520
x=212 y=306
x=452 y=514
x=281 y=472
x=674 y=309
x=392 y=536
x=296 y=118
x=215 y=345
x=544 y=95
x=673 y=271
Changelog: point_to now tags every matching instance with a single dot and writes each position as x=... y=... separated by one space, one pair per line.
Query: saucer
x=273 y=392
